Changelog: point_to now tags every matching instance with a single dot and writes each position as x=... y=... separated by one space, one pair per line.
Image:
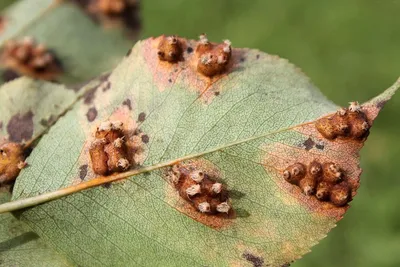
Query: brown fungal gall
x=326 y=128
x=308 y=185
x=332 y=172
x=340 y=194
x=99 y=157
x=314 y=169
x=29 y=58
x=351 y=122
x=323 y=191
x=12 y=160
x=201 y=191
x=213 y=58
x=359 y=124
x=170 y=49
x=108 y=151
x=294 y=173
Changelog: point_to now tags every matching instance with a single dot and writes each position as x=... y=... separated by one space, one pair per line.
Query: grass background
x=351 y=50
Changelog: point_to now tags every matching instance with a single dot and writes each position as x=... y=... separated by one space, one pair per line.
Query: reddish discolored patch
x=29 y=58
x=20 y=127
x=198 y=192
x=342 y=151
x=186 y=70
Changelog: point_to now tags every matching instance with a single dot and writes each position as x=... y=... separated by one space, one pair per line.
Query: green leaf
x=29 y=107
x=245 y=127
x=19 y=246
x=83 y=47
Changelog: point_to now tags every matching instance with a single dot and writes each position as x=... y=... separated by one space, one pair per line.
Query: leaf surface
x=19 y=246
x=29 y=107
x=83 y=47
x=246 y=127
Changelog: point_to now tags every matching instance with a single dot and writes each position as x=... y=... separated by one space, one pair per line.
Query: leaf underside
x=246 y=125
x=75 y=38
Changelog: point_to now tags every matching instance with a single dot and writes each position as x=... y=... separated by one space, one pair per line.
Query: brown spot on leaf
x=1 y=125
x=89 y=96
x=142 y=117
x=20 y=127
x=320 y=146
x=256 y=261
x=145 y=138
x=91 y=114
x=308 y=144
x=83 y=171
x=127 y=102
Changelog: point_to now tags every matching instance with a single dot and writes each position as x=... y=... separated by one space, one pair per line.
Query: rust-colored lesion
x=12 y=160
x=199 y=65
x=114 y=145
x=27 y=57
x=336 y=166
x=198 y=190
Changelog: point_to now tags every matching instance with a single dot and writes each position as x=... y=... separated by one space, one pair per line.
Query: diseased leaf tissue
x=219 y=156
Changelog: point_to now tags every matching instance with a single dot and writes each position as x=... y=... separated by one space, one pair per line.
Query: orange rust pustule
x=213 y=58
x=205 y=194
x=323 y=191
x=108 y=151
x=340 y=194
x=308 y=185
x=346 y=123
x=294 y=173
x=314 y=169
x=321 y=180
x=12 y=160
x=170 y=49
x=29 y=58
x=99 y=157
x=332 y=173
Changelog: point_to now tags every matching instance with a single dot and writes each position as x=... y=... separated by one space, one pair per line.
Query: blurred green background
x=351 y=50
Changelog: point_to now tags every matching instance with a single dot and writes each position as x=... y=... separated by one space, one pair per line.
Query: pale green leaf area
x=137 y=222
x=29 y=107
x=19 y=246
x=84 y=47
